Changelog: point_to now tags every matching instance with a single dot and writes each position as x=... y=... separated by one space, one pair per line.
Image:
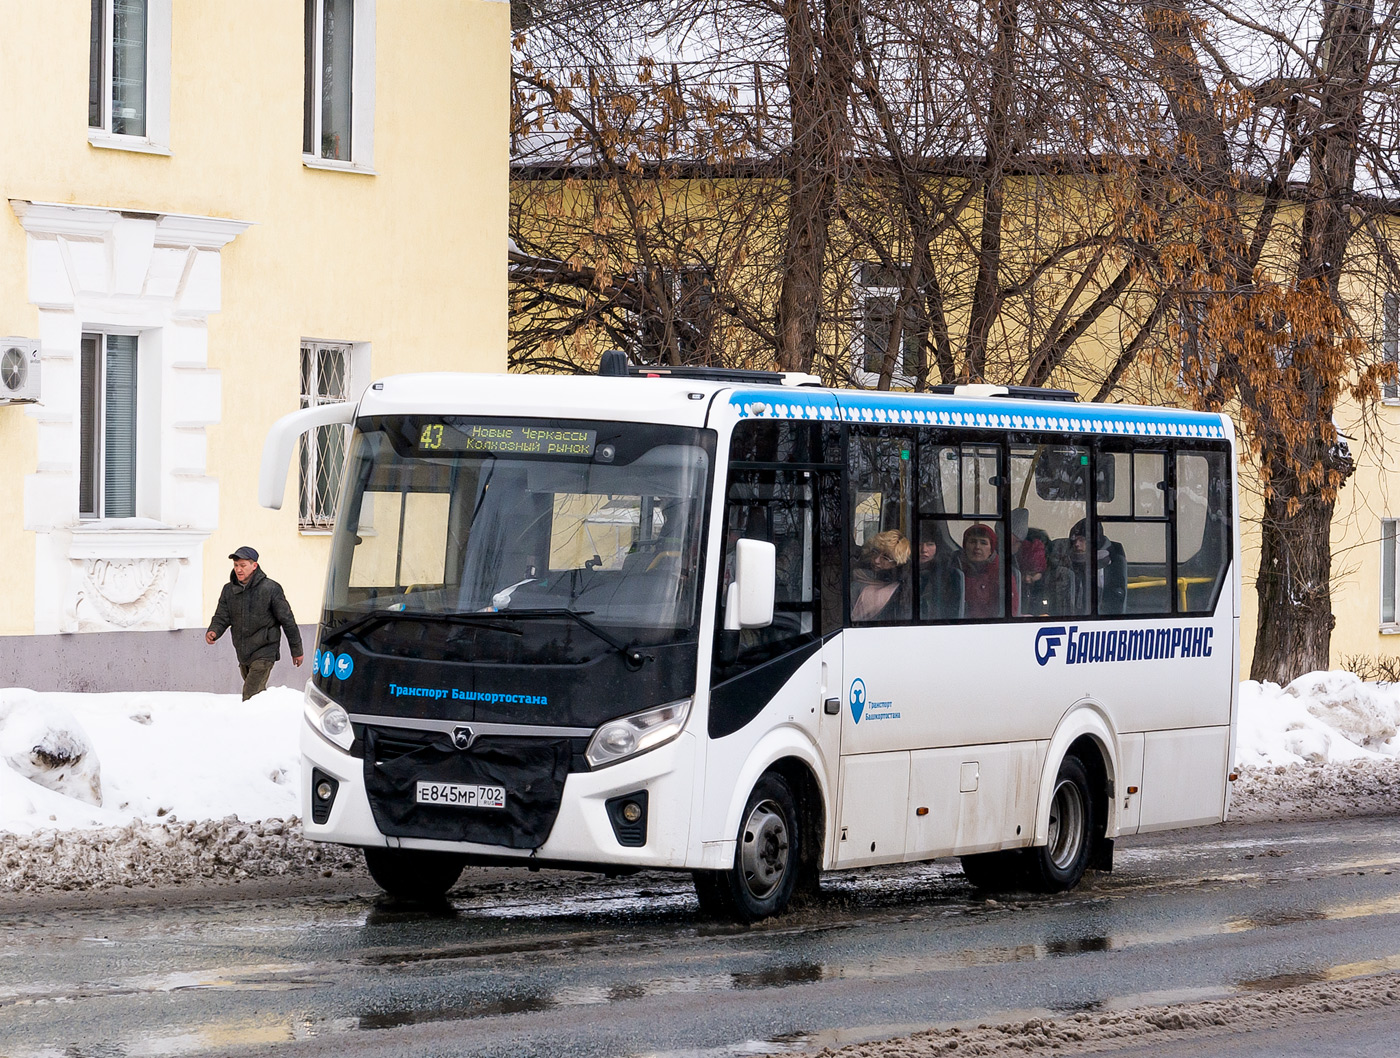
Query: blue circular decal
x=344 y=665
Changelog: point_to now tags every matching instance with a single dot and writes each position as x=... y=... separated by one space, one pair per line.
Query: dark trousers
x=255 y=675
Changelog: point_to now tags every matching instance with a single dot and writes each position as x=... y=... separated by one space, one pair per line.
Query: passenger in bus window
x=1106 y=564
x=981 y=567
x=1028 y=561
x=940 y=582
x=881 y=585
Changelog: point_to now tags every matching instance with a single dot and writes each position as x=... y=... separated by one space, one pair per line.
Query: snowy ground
x=100 y=790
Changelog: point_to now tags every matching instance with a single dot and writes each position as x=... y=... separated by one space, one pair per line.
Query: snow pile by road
x=152 y=788
x=1320 y=717
x=1110 y=1031
x=187 y=755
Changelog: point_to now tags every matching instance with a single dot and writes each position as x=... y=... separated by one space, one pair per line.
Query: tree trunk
x=1294 y=583
x=820 y=39
x=1001 y=146
x=1295 y=592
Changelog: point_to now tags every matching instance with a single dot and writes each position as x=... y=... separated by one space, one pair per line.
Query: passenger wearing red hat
x=981 y=566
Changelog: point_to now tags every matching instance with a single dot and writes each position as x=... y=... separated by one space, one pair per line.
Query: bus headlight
x=619 y=739
x=327 y=718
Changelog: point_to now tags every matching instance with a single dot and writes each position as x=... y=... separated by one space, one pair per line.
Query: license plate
x=461 y=795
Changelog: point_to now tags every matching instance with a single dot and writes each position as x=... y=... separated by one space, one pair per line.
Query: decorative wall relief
x=124 y=593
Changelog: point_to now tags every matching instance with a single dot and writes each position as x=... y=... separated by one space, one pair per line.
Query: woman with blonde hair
x=881 y=589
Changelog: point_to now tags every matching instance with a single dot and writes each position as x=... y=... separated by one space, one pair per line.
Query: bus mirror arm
x=749 y=601
x=282 y=438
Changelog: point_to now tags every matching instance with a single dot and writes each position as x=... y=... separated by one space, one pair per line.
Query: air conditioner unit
x=19 y=369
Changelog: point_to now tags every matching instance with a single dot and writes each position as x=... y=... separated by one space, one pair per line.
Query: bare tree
x=1267 y=160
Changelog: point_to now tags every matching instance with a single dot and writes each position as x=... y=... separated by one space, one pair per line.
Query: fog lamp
x=631 y=811
x=324 y=791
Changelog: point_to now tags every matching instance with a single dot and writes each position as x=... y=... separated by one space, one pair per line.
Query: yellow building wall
x=409 y=258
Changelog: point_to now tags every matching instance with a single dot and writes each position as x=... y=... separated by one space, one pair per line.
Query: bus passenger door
x=830 y=706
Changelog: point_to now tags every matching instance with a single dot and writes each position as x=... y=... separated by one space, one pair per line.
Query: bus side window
x=961 y=517
x=1131 y=502
x=1048 y=499
x=1203 y=545
x=881 y=575
x=776 y=506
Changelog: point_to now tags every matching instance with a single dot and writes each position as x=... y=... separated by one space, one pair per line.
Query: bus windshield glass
x=485 y=520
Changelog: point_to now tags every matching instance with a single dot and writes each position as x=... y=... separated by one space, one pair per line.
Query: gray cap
x=245 y=552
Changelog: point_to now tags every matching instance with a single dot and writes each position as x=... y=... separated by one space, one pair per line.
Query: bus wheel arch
x=1083 y=755
x=778 y=846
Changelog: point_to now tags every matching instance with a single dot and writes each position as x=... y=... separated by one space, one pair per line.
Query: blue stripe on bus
x=909 y=409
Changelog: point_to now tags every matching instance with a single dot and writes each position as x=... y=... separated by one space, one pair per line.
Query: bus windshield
x=482 y=519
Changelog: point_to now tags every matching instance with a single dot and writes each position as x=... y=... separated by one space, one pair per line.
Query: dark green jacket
x=255 y=612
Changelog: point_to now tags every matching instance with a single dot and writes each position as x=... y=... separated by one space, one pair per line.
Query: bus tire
x=414 y=876
x=712 y=890
x=995 y=872
x=768 y=856
x=1061 y=861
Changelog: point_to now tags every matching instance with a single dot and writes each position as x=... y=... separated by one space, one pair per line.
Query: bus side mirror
x=749 y=603
x=281 y=441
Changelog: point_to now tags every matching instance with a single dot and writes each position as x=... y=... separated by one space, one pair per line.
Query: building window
x=882 y=308
x=1388 y=567
x=673 y=314
x=107 y=443
x=338 y=95
x=325 y=379
x=129 y=74
x=1390 y=344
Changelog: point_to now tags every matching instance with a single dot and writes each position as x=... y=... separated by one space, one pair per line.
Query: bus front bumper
x=583 y=833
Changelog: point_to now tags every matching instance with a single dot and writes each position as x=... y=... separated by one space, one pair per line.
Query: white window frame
x=140 y=442
x=861 y=293
x=1390 y=343
x=362 y=82
x=157 y=77
x=1390 y=576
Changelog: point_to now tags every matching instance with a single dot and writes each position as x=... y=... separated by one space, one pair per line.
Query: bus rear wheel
x=766 y=861
x=1061 y=861
x=414 y=876
x=995 y=872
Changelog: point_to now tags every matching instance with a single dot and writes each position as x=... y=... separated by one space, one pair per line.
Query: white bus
x=723 y=623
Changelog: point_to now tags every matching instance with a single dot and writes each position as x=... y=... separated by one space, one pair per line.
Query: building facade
x=212 y=215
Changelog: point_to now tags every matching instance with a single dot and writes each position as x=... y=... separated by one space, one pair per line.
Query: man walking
x=253 y=606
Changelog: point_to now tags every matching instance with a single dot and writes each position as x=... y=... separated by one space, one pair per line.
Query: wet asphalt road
x=554 y=965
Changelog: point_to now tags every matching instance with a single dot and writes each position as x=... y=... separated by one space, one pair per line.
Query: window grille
x=325 y=379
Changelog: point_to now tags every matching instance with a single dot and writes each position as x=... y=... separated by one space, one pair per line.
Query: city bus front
x=507 y=654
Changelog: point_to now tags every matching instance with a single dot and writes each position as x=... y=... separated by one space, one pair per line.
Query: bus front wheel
x=1061 y=861
x=766 y=861
x=414 y=875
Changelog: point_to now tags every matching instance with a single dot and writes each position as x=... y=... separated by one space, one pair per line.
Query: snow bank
x=208 y=786
x=163 y=755
x=1322 y=717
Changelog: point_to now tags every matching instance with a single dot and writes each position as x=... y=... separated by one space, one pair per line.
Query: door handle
x=832 y=707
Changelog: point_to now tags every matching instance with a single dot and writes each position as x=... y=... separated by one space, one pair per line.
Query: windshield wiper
x=635 y=658
x=375 y=618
